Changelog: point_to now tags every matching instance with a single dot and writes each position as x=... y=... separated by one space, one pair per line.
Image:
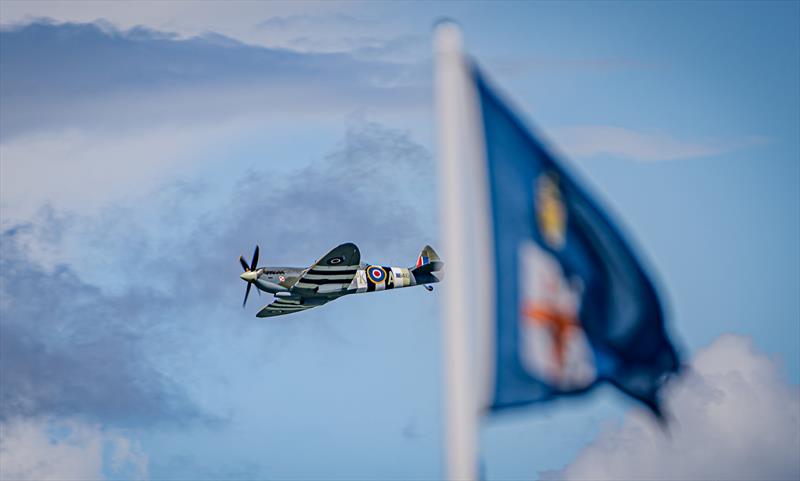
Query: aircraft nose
x=249 y=276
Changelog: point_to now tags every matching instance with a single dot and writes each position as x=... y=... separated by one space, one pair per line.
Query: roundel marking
x=335 y=260
x=376 y=274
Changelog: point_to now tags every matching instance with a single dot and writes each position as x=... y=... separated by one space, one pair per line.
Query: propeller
x=250 y=274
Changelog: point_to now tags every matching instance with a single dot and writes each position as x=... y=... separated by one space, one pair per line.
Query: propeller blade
x=250 y=268
x=255 y=259
x=246 y=293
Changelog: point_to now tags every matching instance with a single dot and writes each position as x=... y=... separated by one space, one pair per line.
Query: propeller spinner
x=250 y=274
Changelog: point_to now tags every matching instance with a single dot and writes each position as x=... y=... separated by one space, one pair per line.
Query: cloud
x=80 y=171
x=74 y=347
x=44 y=449
x=297 y=21
x=95 y=76
x=374 y=188
x=594 y=140
x=118 y=318
x=237 y=19
x=735 y=417
x=103 y=113
x=364 y=38
x=96 y=304
x=70 y=349
x=548 y=64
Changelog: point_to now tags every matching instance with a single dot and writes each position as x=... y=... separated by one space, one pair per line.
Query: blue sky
x=145 y=146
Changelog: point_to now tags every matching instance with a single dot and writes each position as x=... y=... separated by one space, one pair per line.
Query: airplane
x=338 y=273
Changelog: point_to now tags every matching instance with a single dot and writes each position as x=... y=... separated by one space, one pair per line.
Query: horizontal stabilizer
x=429 y=268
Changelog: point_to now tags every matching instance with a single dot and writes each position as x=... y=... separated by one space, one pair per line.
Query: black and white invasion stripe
x=288 y=305
x=327 y=275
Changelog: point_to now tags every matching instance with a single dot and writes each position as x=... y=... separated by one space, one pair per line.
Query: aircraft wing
x=330 y=275
x=322 y=282
x=283 y=306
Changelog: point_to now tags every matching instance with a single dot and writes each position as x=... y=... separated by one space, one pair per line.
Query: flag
x=544 y=297
x=573 y=305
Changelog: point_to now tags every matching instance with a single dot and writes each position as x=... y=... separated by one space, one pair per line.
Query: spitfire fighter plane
x=338 y=273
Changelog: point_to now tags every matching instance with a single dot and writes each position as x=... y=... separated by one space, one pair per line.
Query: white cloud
x=315 y=32
x=375 y=37
x=48 y=449
x=592 y=140
x=76 y=170
x=735 y=418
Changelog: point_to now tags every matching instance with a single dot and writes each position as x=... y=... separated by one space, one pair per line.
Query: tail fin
x=428 y=262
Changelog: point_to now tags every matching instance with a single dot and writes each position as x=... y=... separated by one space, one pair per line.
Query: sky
x=145 y=145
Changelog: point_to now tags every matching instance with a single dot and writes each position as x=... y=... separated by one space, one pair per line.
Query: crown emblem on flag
x=551 y=215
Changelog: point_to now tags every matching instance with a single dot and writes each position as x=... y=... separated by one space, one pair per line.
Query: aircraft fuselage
x=367 y=278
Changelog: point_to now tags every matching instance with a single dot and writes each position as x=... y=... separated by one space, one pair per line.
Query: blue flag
x=574 y=306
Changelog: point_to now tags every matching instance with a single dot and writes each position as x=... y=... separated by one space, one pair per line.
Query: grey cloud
x=73 y=348
x=735 y=417
x=86 y=57
x=369 y=188
x=79 y=75
x=376 y=188
x=129 y=348
x=68 y=348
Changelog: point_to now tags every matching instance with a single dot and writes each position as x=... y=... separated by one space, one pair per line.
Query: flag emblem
x=551 y=215
x=553 y=344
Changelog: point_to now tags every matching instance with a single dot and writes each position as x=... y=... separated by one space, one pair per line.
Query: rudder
x=426 y=256
x=428 y=262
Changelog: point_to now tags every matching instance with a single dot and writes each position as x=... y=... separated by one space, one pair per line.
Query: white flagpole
x=464 y=239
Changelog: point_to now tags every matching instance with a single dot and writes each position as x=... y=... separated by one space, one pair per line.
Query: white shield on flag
x=553 y=345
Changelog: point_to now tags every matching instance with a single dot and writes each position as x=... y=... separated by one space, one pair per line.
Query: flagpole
x=452 y=99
